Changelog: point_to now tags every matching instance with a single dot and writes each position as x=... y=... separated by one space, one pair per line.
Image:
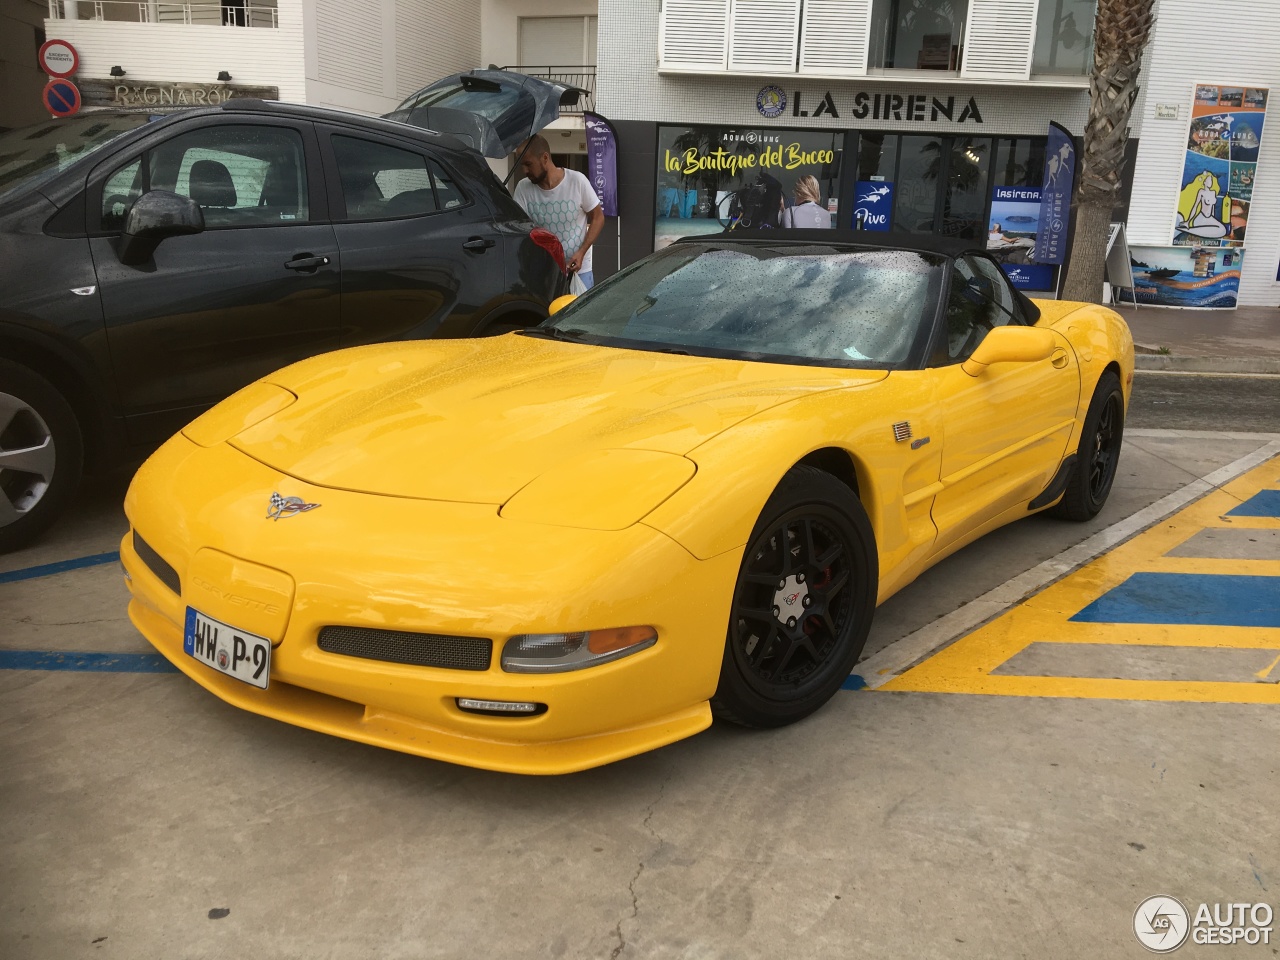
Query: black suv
x=152 y=265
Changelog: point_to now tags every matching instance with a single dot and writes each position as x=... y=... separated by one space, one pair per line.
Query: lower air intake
x=418 y=649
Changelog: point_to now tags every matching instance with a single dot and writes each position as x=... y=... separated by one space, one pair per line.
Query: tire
x=41 y=455
x=778 y=669
x=1098 y=455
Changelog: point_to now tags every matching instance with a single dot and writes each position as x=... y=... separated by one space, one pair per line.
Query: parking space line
x=62 y=566
x=885 y=665
x=1133 y=595
x=92 y=662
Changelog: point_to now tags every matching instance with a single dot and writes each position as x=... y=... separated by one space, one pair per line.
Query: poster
x=873 y=205
x=1016 y=214
x=715 y=179
x=1182 y=276
x=1221 y=161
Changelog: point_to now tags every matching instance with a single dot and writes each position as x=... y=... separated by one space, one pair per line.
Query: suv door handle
x=306 y=262
x=479 y=244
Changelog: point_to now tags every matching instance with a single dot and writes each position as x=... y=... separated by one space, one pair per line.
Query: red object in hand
x=550 y=243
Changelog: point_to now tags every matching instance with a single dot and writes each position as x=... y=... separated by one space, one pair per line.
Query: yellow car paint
x=513 y=485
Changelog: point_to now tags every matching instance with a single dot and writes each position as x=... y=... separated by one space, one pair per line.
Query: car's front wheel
x=41 y=455
x=802 y=605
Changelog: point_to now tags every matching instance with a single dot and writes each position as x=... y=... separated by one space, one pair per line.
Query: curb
x=1171 y=364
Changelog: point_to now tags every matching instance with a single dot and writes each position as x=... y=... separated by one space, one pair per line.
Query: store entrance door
x=939 y=184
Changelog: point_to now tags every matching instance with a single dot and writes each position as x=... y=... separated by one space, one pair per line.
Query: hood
x=475 y=420
x=492 y=111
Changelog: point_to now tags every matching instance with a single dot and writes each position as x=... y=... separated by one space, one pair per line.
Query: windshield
x=815 y=303
x=32 y=155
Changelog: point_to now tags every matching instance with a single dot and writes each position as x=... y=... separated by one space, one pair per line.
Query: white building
x=364 y=55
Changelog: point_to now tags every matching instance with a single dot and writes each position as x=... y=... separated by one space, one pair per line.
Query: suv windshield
x=32 y=155
x=793 y=302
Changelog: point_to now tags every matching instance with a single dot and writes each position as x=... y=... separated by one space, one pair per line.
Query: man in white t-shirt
x=563 y=202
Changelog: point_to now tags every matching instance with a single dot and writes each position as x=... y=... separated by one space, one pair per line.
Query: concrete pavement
x=1245 y=340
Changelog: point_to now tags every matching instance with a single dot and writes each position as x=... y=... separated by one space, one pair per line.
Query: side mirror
x=1010 y=345
x=559 y=303
x=153 y=217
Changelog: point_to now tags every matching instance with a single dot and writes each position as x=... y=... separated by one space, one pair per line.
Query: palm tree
x=1121 y=33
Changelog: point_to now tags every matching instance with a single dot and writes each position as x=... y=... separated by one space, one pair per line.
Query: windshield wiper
x=555 y=333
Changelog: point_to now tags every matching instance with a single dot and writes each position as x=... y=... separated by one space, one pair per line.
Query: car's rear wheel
x=1098 y=455
x=803 y=603
x=41 y=455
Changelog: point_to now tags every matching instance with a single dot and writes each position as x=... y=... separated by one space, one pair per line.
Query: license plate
x=229 y=650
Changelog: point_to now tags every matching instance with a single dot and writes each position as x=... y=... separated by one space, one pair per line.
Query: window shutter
x=695 y=34
x=763 y=36
x=998 y=39
x=835 y=37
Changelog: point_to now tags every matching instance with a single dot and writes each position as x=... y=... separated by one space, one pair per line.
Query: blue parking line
x=1196 y=599
x=62 y=566
x=1264 y=503
x=94 y=662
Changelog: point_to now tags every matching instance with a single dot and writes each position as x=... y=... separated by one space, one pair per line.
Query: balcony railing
x=166 y=11
x=584 y=78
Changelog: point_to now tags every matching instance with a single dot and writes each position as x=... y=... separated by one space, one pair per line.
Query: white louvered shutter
x=834 y=37
x=998 y=39
x=763 y=36
x=695 y=34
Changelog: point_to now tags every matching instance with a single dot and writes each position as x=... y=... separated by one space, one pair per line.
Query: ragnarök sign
x=152 y=93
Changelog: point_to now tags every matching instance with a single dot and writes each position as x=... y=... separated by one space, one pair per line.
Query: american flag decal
x=287 y=506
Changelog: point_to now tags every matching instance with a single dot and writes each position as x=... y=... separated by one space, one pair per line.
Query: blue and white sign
x=1029 y=276
x=1055 y=210
x=873 y=205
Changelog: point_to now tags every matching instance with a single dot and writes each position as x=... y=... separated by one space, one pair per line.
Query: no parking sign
x=61 y=98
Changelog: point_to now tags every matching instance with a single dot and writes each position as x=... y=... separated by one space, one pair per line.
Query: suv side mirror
x=1010 y=345
x=153 y=217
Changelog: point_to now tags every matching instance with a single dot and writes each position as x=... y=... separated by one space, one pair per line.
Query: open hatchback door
x=493 y=110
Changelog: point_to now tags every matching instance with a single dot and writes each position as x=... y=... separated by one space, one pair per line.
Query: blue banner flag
x=1055 y=197
x=602 y=161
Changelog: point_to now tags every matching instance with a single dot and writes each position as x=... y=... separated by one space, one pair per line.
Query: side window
x=980 y=300
x=118 y=193
x=380 y=182
x=240 y=175
x=448 y=192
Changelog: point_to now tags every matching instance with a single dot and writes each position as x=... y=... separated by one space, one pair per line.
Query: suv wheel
x=41 y=455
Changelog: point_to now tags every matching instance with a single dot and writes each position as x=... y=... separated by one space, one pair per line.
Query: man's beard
x=540 y=179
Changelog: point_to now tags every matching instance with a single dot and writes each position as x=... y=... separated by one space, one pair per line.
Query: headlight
x=559 y=652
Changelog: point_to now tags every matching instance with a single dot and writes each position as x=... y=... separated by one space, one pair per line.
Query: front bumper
x=428 y=567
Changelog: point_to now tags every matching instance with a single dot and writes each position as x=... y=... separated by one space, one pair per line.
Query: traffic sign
x=58 y=58
x=61 y=97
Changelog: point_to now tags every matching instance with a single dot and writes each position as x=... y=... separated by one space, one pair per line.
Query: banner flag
x=1055 y=196
x=602 y=161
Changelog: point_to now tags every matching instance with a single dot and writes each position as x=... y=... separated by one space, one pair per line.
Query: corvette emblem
x=287 y=506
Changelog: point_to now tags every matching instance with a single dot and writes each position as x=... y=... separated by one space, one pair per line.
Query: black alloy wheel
x=1098 y=456
x=803 y=603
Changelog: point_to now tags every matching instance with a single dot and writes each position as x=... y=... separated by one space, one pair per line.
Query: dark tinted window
x=122 y=188
x=381 y=181
x=448 y=192
x=240 y=175
x=980 y=300
x=31 y=155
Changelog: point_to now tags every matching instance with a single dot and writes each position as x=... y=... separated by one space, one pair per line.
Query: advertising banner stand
x=1120 y=263
x=602 y=165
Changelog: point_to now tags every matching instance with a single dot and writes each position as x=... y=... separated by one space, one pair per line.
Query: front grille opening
x=417 y=649
x=156 y=564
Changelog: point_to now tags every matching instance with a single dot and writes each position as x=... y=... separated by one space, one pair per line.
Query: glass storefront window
x=713 y=179
x=1019 y=163
x=917 y=34
x=1064 y=38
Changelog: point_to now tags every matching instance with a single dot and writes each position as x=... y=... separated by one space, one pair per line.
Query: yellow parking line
x=967 y=665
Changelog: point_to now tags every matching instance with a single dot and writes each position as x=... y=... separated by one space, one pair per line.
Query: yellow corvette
x=681 y=496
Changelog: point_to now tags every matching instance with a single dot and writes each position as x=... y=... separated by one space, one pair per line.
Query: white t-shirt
x=562 y=210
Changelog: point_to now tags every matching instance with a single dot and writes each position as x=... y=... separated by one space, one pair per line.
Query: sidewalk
x=1245 y=340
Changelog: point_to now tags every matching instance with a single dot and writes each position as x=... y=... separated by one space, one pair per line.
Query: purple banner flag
x=602 y=161
x=1055 y=197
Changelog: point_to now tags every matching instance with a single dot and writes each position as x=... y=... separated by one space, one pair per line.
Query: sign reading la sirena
x=152 y=93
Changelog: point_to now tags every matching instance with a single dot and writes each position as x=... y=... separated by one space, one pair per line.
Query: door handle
x=306 y=262
x=479 y=244
x=1059 y=358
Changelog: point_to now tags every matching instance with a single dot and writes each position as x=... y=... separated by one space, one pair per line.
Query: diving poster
x=1220 y=165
